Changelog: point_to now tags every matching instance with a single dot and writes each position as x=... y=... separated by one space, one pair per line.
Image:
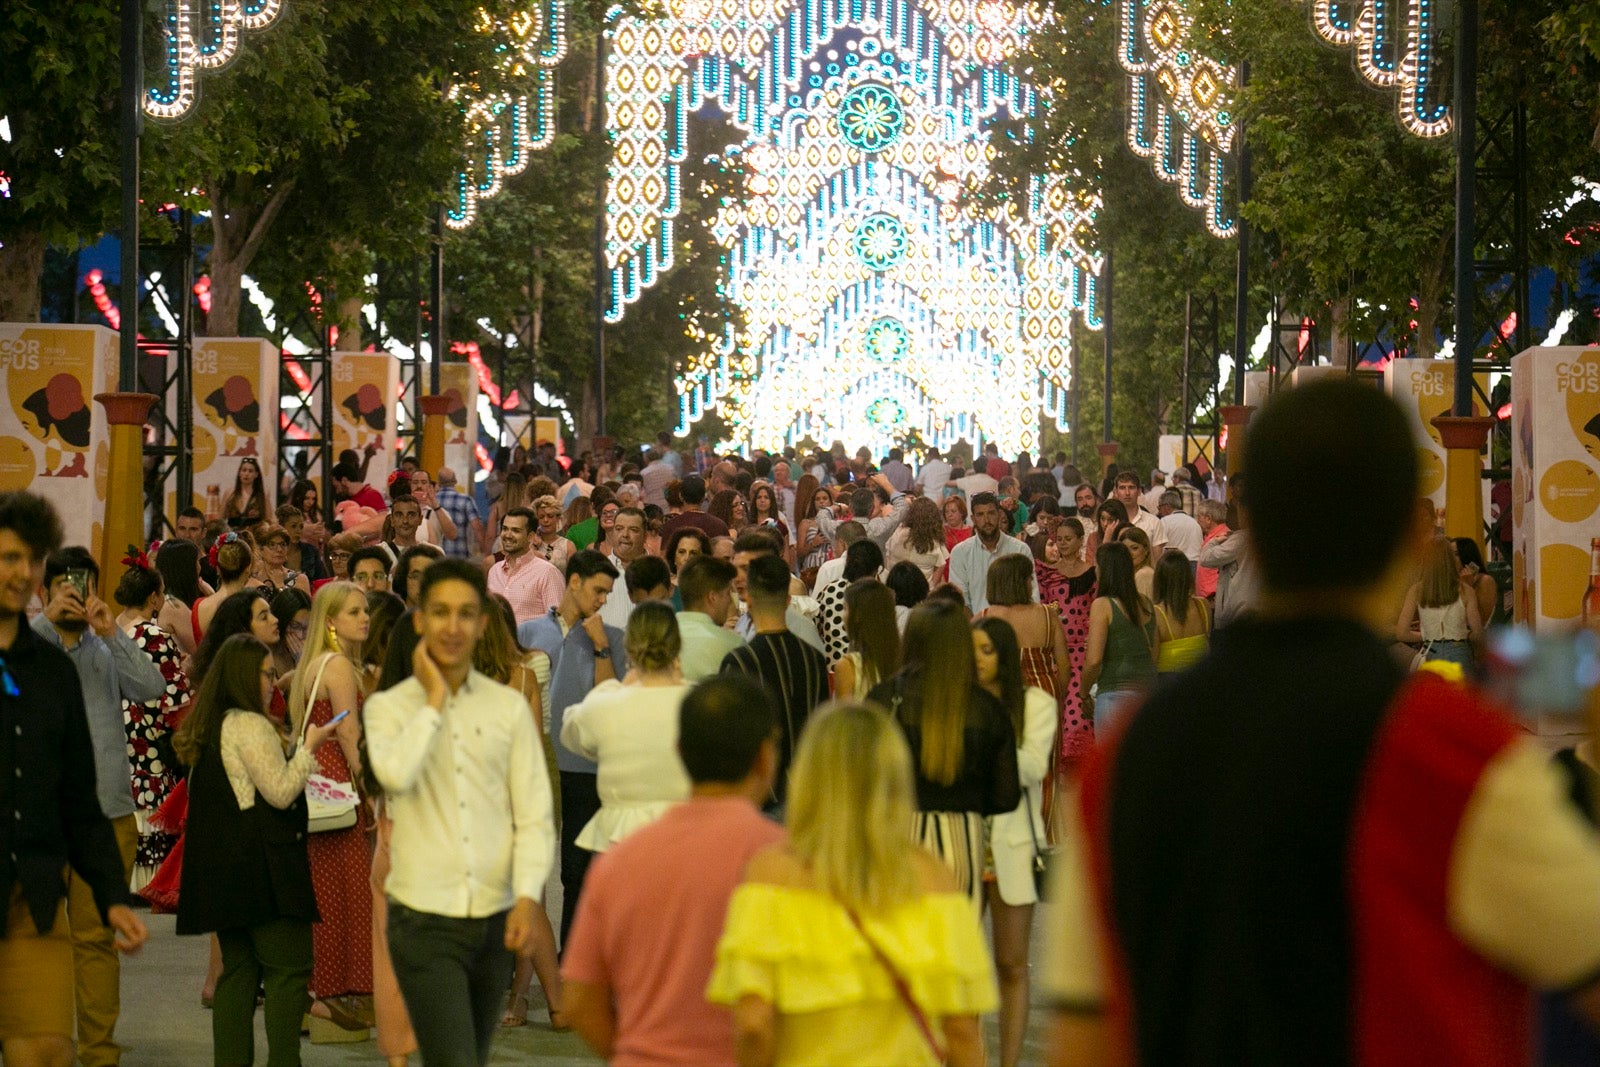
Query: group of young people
x=788 y=764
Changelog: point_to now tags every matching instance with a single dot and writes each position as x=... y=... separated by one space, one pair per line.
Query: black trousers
x=453 y=975
x=580 y=800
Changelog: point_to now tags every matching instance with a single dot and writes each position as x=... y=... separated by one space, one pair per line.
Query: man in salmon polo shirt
x=645 y=938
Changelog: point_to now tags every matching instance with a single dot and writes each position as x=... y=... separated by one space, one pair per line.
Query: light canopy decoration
x=199 y=35
x=507 y=127
x=1180 y=104
x=879 y=302
x=1394 y=48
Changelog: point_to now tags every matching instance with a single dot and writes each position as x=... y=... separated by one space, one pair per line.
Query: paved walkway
x=163 y=1024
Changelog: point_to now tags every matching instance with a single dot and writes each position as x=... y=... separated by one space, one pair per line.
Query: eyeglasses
x=338 y=555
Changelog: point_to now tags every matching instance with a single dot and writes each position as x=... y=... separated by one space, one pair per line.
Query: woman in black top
x=246 y=874
x=963 y=745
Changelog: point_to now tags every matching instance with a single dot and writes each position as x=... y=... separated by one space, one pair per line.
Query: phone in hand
x=79 y=577
x=337 y=719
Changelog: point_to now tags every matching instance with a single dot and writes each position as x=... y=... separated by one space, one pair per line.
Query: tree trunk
x=1430 y=299
x=21 y=273
x=1339 y=331
x=588 y=414
x=237 y=230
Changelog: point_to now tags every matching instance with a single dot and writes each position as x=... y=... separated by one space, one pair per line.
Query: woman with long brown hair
x=246 y=500
x=869 y=622
x=963 y=745
x=728 y=505
x=1120 y=660
x=1068 y=582
x=246 y=873
x=920 y=540
x=811 y=546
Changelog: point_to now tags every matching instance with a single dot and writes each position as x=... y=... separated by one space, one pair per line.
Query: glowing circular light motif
x=887 y=341
x=886 y=412
x=880 y=241
x=871 y=117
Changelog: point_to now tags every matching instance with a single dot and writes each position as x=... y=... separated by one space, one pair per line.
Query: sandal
x=516 y=1013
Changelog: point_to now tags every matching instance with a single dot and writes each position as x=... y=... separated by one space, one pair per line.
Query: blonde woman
x=233 y=558
x=548 y=542
x=326 y=683
x=1441 y=611
x=849 y=944
x=630 y=729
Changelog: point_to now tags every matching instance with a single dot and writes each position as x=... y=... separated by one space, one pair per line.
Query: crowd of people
x=790 y=727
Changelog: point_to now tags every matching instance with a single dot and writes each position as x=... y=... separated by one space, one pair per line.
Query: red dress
x=1074 y=597
x=341 y=871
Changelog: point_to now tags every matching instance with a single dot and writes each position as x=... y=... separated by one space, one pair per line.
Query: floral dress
x=149 y=728
x=1073 y=597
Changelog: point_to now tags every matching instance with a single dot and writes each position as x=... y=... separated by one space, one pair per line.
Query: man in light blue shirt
x=583 y=652
x=706 y=583
x=111 y=669
x=969 y=561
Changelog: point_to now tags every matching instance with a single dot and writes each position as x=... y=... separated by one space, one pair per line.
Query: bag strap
x=901 y=988
x=1027 y=796
x=311 y=694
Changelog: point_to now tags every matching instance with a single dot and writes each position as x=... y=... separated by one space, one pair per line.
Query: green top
x=584 y=534
x=1128 y=663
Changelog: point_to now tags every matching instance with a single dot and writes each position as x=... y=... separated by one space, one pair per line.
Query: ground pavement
x=163 y=1024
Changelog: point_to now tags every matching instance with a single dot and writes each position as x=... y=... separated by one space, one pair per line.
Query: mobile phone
x=79 y=577
x=337 y=719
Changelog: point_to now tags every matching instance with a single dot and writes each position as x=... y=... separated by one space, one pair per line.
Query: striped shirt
x=796 y=674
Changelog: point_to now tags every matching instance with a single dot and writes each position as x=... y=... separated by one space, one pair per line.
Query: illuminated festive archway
x=866 y=127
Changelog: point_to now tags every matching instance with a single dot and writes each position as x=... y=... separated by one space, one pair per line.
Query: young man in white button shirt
x=460 y=762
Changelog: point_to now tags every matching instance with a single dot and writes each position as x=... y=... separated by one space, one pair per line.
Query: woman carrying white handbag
x=326 y=683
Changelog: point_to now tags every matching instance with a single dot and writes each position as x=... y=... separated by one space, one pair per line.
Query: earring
x=333 y=636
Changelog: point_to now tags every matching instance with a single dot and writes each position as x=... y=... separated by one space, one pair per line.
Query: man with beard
x=969 y=562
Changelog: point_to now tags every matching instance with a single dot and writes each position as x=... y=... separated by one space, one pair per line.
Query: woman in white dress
x=630 y=729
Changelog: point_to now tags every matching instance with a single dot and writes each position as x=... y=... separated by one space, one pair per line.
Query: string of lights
x=199 y=35
x=1394 y=48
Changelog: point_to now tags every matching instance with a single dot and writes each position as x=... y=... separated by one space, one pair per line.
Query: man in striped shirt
x=795 y=672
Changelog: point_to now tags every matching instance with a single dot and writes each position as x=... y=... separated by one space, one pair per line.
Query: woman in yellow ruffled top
x=850 y=945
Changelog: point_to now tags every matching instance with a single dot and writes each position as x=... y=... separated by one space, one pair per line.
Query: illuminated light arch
x=1394 y=47
x=199 y=35
x=506 y=128
x=860 y=117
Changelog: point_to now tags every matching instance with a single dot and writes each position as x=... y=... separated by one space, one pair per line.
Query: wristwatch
x=603 y=651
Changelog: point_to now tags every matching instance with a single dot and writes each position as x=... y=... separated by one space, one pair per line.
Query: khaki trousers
x=97 y=972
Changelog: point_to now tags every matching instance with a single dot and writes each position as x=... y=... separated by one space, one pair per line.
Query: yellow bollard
x=1464 y=439
x=434 y=410
x=124 y=525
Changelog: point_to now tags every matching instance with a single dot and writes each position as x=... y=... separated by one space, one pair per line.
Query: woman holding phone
x=326 y=683
x=246 y=873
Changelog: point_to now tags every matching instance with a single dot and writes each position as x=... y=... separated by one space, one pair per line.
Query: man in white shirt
x=706 y=584
x=655 y=477
x=1127 y=491
x=1183 y=533
x=783 y=485
x=934 y=473
x=969 y=561
x=464 y=776
x=627 y=537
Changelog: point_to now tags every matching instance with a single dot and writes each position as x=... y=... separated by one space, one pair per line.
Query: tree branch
x=269 y=212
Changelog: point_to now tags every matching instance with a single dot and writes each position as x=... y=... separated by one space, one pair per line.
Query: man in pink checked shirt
x=532 y=585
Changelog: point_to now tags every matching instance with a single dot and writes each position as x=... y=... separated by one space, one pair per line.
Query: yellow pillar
x=434 y=411
x=1236 y=418
x=1464 y=439
x=1108 y=455
x=124 y=525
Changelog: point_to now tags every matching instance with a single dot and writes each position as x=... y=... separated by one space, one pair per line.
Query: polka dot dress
x=149 y=728
x=341 y=871
x=1073 y=597
x=830 y=621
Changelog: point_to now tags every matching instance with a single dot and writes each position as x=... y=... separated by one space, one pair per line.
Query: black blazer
x=241 y=868
x=49 y=814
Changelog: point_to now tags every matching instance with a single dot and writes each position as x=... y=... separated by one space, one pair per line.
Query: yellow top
x=1181 y=653
x=835 y=1003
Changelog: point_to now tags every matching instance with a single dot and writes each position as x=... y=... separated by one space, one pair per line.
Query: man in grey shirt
x=1238 y=583
x=866 y=509
x=111 y=669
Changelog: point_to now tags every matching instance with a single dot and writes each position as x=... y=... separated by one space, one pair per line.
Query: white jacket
x=1009 y=838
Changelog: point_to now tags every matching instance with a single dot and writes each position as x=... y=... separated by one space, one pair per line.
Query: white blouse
x=631 y=732
x=252 y=756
